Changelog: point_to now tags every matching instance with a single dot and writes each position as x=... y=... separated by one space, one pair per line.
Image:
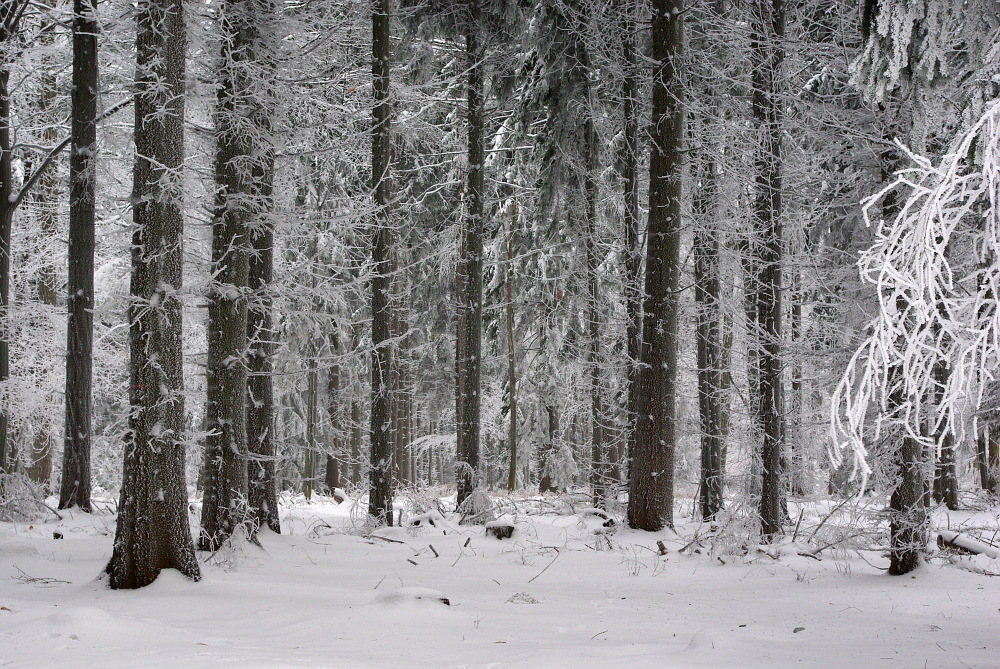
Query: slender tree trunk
x=511 y=354
x=546 y=484
x=767 y=53
x=797 y=474
x=988 y=454
x=356 y=438
x=262 y=485
x=599 y=467
x=152 y=531
x=709 y=340
x=336 y=413
x=75 y=487
x=471 y=302
x=946 y=476
x=8 y=32
x=310 y=466
x=380 y=476
x=633 y=245
x=47 y=200
x=651 y=472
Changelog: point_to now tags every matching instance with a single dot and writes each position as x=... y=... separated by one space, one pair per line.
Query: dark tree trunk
x=8 y=32
x=767 y=53
x=651 y=471
x=380 y=476
x=262 y=485
x=945 y=475
x=633 y=246
x=988 y=456
x=600 y=470
x=470 y=301
x=332 y=478
x=261 y=476
x=511 y=355
x=545 y=484
x=243 y=166
x=709 y=340
x=908 y=515
x=152 y=531
x=75 y=487
x=357 y=435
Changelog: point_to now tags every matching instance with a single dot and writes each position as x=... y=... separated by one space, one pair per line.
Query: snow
x=557 y=595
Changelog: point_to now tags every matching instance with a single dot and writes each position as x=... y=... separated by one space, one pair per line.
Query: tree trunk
x=908 y=515
x=651 y=473
x=262 y=485
x=152 y=530
x=75 y=487
x=988 y=451
x=946 y=476
x=380 y=476
x=8 y=33
x=545 y=484
x=630 y=223
x=708 y=331
x=767 y=53
x=470 y=301
x=47 y=200
x=243 y=176
x=511 y=355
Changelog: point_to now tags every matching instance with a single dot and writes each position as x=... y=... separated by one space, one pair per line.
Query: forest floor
x=564 y=591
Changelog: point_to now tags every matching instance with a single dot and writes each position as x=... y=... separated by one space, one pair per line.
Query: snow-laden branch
x=936 y=268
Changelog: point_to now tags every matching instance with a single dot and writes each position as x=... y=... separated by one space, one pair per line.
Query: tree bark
x=709 y=341
x=511 y=355
x=75 y=487
x=767 y=53
x=633 y=246
x=243 y=165
x=152 y=531
x=8 y=32
x=470 y=301
x=651 y=472
x=381 y=474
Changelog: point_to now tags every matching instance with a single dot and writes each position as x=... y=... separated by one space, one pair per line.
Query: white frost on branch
x=936 y=269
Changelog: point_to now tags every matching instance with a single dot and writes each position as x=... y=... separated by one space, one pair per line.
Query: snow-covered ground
x=562 y=592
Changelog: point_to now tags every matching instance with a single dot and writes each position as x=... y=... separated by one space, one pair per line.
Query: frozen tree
x=243 y=175
x=934 y=267
x=651 y=470
x=75 y=487
x=152 y=532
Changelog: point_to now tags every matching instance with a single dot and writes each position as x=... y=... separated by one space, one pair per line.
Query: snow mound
x=404 y=595
x=710 y=639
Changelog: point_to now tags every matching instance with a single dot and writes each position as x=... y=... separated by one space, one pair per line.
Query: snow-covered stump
x=500 y=529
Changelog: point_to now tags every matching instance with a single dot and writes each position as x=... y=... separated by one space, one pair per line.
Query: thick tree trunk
x=908 y=515
x=381 y=473
x=152 y=531
x=75 y=487
x=470 y=302
x=767 y=53
x=651 y=472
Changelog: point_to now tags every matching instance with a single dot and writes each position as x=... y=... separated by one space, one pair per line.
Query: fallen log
x=965 y=544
